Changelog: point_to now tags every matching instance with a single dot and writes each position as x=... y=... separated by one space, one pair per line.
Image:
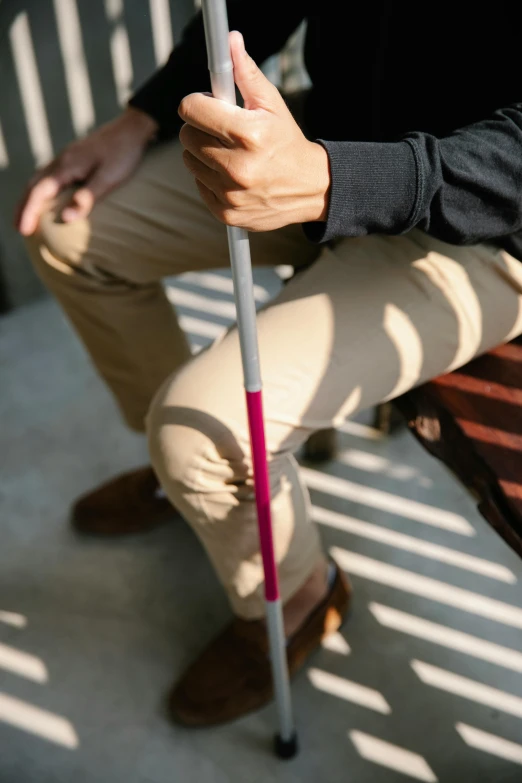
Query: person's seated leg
x=106 y=271
x=371 y=318
x=199 y=446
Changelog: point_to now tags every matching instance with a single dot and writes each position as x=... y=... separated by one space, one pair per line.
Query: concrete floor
x=424 y=682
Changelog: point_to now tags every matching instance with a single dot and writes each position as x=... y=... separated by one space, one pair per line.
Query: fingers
x=45 y=186
x=83 y=199
x=34 y=201
x=205 y=147
x=209 y=177
x=257 y=91
x=214 y=117
x=209 y=197
x=232 y=125
x=82 y=202
x=220 y=211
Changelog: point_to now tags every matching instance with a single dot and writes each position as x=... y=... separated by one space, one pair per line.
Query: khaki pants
x=369 y=319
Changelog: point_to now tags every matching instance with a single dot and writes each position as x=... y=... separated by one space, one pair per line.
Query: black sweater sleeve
x=186 y=70
x=464 y=188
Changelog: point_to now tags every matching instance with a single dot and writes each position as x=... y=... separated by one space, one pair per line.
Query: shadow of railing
x=430 y=659
x=433 y=614
x=66 y=66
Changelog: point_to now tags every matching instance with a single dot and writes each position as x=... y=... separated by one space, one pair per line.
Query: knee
x=57 y=244
x=174 y=446
x=193 y=452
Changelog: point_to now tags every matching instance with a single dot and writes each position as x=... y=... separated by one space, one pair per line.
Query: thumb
x=257 y=91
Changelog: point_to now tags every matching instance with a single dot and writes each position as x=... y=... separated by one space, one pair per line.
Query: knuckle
x=243 y=177
x=230 y=217
x=188 y=160
x=230 y=198
x=184 y=134
x=182 y=108
x=254 y=136
x=186 y=107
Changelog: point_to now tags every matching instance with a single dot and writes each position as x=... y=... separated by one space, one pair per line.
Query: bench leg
x=387 y=418
x=322 y=445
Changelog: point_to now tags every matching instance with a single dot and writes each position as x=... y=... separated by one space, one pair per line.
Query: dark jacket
x=418 y=108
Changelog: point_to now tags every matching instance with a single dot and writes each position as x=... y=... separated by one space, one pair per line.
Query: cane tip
x=286 y=748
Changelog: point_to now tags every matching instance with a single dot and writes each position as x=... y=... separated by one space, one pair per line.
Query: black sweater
x=419 y=111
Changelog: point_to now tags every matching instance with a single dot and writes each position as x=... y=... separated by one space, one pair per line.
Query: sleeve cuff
x=154 y=98
x=373 y=190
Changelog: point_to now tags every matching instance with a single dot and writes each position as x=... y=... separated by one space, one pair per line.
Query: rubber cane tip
x=286 y=749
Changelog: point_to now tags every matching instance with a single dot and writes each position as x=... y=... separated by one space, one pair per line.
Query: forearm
x=463 y=189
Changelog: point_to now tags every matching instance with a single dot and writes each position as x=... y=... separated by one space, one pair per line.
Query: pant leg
x=369 y=320
x=106 y=272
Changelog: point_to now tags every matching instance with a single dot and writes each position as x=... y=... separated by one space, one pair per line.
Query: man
x=402 y=204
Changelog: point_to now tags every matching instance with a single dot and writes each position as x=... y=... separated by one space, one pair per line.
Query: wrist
x=320 y=183
x=141 y=125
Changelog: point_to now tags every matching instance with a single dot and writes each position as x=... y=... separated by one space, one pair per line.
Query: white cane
x=223 y=87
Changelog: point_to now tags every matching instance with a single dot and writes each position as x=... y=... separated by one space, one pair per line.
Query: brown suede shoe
x=130 y=503
x=232 y=676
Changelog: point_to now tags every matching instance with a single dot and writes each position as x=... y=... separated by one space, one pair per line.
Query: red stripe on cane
x=254 y=402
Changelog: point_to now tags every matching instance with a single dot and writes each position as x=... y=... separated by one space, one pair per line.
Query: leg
x=370 y=319
x=387 y=418
x=367 y=321
x=106 y=272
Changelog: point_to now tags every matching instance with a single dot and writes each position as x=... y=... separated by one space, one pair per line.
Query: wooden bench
x=471 y=419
